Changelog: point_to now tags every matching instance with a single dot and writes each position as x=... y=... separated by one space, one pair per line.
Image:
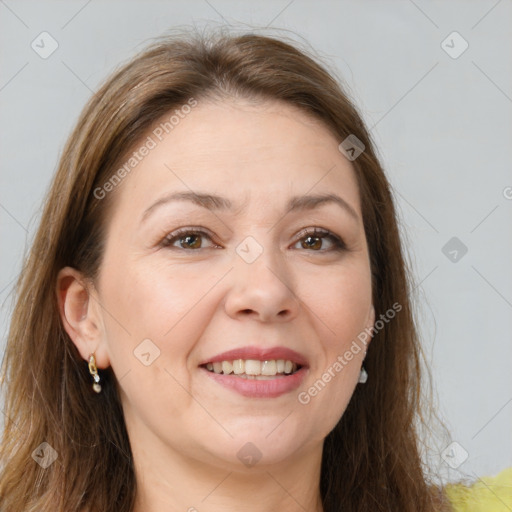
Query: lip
x=260 y=354
x=260 y=388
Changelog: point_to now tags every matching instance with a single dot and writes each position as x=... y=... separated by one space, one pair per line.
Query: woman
x=215 y=313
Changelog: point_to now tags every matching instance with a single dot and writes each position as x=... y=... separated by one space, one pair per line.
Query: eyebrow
x=214 y=202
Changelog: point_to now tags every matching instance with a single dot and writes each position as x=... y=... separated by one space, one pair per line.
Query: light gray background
x=443 y=127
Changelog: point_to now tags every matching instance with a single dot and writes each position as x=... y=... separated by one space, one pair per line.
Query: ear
x=81 y=315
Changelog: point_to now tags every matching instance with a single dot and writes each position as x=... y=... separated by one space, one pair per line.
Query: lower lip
x=260 y=388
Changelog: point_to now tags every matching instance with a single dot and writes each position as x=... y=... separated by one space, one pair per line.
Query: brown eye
x=188 y=239
x=314 y=239
x=312 y=242
x=191 y=241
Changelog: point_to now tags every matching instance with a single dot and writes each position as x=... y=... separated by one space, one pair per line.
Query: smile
x=258 y=385
x=253 y=368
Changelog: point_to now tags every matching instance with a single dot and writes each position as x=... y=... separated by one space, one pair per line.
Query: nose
x=262 y=290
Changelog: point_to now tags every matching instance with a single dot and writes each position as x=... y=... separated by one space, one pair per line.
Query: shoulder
x=486 y=494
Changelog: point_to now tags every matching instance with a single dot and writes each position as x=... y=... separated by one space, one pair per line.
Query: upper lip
x=260 y=354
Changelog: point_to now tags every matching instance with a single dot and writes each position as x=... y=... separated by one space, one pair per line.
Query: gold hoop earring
x=94 y=372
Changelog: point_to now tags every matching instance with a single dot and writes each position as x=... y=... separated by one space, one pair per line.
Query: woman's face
x=241 y=275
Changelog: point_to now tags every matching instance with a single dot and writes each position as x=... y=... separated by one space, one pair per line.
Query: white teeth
x=227 y=367
x=268 y=368
x=238 y=366
x=261 y=377
x=252 y=368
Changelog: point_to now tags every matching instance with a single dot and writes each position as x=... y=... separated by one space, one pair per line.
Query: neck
x=167 y=480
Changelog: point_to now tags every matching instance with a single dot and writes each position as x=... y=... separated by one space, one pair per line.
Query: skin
x=193 y=303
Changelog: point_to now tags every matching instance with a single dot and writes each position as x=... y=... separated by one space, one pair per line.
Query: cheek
x=155 y=316
x=340 y=304
x=340 y=300
x=156 y=302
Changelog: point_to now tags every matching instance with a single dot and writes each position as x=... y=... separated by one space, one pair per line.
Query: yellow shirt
x=487 y=494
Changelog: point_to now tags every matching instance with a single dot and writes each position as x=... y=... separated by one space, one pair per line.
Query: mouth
x=254 y=369
x=257 y=372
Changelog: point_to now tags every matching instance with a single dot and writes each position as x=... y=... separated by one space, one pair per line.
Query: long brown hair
x=371 y=460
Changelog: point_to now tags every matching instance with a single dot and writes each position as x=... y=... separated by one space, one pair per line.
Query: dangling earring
x=363 y=376
x=94 y=372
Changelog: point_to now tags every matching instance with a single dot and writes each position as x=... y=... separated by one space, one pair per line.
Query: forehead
x=240 y=149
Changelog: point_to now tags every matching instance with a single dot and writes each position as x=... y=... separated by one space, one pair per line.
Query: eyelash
x=338 y=243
